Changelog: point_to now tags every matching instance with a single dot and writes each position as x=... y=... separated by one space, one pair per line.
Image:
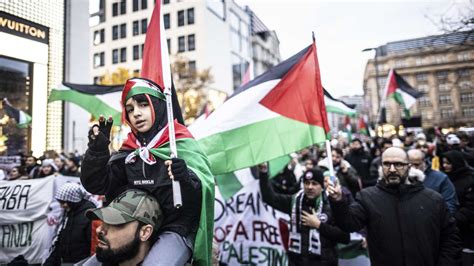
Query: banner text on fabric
x=14 y=197
x=16 y=235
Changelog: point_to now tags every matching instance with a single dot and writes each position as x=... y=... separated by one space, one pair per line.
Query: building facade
x=441 y=66
x=207 y=33
x=31 y=64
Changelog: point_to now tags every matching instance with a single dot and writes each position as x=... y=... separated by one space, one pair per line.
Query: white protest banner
x=248 y=231
x=30 y=239
x=25 y=200
x=8 y=162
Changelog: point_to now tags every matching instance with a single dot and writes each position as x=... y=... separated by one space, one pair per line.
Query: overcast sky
x=344 y=28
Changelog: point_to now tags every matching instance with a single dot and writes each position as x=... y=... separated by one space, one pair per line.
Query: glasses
x=397 y=165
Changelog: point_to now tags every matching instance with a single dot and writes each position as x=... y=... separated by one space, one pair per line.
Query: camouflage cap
x=131 y=205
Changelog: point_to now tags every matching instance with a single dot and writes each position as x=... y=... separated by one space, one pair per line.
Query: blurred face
x=356 y=145
x=47 y=170
x=312 y=189
x=30 y=161
x=64 y=205
x=326 y=181
x=59 y=163
x=14 y=173
x=386 y=146
x=70 y=164
x=336 y=158
x=448 y=167
x=117 y=243
x=395 y=166
x=417 y=162
x=139 y=114
x=309 y=164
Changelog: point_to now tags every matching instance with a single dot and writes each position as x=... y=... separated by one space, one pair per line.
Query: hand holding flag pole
x=177 y=199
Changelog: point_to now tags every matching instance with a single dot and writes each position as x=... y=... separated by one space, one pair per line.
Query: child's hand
x=99 y=135
x=177 y=169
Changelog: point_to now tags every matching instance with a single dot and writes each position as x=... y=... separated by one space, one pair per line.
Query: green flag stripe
x=336 y=110
x=90 y=103
x=228 y=185
x=259 y=142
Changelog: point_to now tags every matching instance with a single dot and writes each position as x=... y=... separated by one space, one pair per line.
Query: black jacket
x=330 y=234
x=109 y=176
x=74 y=241
x=361 y=160
x=462 y=177
x=409 y=225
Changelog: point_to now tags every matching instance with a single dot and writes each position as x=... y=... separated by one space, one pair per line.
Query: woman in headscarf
x=48 y=167
x=143 y=162
x=73 y=242
x=462 y=177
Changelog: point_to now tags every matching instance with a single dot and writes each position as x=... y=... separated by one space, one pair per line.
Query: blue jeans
x=169 y=249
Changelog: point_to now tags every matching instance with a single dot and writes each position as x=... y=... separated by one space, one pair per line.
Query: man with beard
x=129 y=228
x=360 y=160
x=344 y=171
x=406 y=223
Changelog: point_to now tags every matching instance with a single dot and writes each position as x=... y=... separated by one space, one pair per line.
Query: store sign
x=23 y=28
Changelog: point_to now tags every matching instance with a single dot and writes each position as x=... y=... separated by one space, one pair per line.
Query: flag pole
x=177 y=199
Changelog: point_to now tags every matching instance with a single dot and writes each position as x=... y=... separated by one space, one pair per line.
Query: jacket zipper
x=400 y=229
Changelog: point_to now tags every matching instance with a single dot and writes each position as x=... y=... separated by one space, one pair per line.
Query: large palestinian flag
x=336 y=106
x=96 y=99
x=22 y=119
x=279 y=112
x=397 y=88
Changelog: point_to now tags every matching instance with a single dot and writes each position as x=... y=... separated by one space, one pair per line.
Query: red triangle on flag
x=299 y=95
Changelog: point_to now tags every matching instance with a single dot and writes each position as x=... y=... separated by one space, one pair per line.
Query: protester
x=72 y=167
x=346 y=174
x=47 y=168
x=407 y=224
x=462 y=176
x=377 y=163
x=17 y=173
x=313 y=235
x=360 y=160
x=32 y=167
x=136 y=165
x=74 y=240
x=59 y=162
x=434 y=180
x=129 y=228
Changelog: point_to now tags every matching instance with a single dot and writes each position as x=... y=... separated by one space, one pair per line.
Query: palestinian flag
x=398 y=89
x=277 y=113
x=362 y=126
x=95 y=99
x=156 y=67
x=348 y=126
x=336 y=106
x=22 y=119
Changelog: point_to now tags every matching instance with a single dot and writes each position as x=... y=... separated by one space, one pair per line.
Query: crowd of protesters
x=435 y=180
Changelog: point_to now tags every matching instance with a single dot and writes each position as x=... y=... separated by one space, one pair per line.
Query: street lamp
x=376 y=79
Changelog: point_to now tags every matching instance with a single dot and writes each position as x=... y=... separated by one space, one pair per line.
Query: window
x=123 y=7
x=168 y=42
x=99 y=36
x=98 y=59
x=442 y=75
x=135 y=5
x=165 y=2
x=445 y=99
x=235 y=40
x=234 y=21
x=114 y=56
x=141 y=49
x=464 y=72
x=166 y=21
x=115 y=32
x=380 y=67
x=190 y=13
x=465 y=85
x=443 y=87
x=447 y=113
x=136 y=52
x=425 y=114
x=180 y=18
x=468 y=112
x=424 y=101
x=181 y=44
x=381 y=81
x=439 y=59
x=421 y=77
x=400 y=63
x=136 y=28
x=237 y=70
x=123 y=54
x=423 y=87
x=144 y=4
x=464 y=56
x=467 y=97
x=114 y=9
x=191 y=42
x=123 y=31
x=139 y=4
x=192 y=67
x=144 y=25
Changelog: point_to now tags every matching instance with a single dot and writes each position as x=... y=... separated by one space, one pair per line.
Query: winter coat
x=330 y=234
x=439 y=182
x=361 y=160
x=349 y=179
x=109 y=176
x=406 y=225
x=374 y=172
x=74 y=240
x=462 y=177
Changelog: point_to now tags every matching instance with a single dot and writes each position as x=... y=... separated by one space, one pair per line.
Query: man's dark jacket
x=360 y=160
x=74 y=241
x=406 y=225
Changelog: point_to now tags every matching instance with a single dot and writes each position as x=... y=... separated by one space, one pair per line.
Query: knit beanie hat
x=315 y=175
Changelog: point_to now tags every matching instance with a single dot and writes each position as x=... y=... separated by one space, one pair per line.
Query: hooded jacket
x=406 y=225
x=462 y=177
x=109 y=175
